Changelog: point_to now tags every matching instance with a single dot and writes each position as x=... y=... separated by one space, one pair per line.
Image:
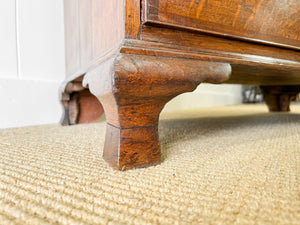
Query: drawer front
x=275 y=22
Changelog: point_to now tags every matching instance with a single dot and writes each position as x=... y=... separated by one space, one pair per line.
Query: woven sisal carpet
x=225 y=165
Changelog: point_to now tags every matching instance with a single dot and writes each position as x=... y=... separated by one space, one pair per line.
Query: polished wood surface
x=132 y=19
x=135 y=56
x=80 y=106
x=133 y=90
x=89 y=34
x=251 y=63
x=268 y=21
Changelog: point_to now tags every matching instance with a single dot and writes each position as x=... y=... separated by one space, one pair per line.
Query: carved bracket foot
x=133 y=90
x=80 y=106
x=278 y=98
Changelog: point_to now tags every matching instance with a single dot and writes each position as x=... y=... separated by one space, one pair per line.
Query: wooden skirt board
x=134 y=56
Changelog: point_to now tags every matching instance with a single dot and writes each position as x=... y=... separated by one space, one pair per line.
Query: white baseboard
x=207 y=95
x=28 y=103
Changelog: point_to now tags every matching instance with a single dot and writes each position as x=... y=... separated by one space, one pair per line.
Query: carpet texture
x=223 y=165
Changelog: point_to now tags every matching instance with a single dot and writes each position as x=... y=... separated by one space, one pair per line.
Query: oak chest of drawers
x=135 y=56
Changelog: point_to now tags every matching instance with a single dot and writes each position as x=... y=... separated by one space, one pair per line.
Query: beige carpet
x=225 y=165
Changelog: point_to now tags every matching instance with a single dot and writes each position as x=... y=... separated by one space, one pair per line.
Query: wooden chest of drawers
x=135 y=56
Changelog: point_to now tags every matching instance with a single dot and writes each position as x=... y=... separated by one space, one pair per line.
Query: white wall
x=207 y=95
x=32 y=61
x=8 y=40
x=32 y=67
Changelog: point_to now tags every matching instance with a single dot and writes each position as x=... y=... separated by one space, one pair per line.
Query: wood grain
x=89 y=37
x=251 y=63
x=90 y=109
x=213 y=45
x=72 y=38
x=132 y=19
x=133 y=90
x=131 y=148
x=80 y=105
x=273 y=22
